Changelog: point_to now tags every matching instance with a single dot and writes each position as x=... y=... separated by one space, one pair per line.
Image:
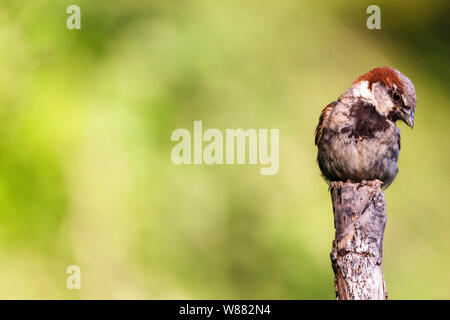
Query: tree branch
x=359 y=219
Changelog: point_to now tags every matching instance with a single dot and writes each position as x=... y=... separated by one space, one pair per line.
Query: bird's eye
x=396 y=96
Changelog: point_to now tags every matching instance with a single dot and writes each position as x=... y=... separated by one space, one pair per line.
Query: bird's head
x=391 y=92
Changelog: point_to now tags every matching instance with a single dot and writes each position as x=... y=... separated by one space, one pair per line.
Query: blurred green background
x=86 y=176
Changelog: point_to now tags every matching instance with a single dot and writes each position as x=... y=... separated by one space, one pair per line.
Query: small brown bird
x=357 y=137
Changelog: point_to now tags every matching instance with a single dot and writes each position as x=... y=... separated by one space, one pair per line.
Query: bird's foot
x=335 y=184
x=376 y=184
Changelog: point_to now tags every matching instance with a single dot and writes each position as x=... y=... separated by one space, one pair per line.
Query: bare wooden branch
x=359 y=219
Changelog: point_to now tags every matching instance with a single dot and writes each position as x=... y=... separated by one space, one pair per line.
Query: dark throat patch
x=368 y=120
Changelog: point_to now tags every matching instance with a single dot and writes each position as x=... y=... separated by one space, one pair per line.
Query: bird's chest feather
x=366 y=136
x=360 y=143
x=365 y=121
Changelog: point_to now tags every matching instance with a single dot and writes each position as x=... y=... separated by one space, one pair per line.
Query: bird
x=357 y=136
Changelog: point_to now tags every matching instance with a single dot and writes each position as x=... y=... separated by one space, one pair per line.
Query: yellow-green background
x=85 y=122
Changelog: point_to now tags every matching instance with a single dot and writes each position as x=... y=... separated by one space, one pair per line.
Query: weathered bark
x=359 y=218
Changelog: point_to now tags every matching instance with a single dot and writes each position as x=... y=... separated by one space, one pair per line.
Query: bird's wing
x=324 y=115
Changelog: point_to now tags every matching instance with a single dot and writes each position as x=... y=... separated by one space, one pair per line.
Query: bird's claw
x=375 y=185
x=335 y=184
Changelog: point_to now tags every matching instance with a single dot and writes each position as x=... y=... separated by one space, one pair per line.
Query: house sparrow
x=357 y=137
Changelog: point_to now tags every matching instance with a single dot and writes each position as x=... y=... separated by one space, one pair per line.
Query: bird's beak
x=407 y=116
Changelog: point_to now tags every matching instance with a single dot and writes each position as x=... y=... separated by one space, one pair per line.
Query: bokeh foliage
x=85 y=170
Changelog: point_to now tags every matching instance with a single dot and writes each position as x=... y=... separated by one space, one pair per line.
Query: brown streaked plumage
x=324 y=114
